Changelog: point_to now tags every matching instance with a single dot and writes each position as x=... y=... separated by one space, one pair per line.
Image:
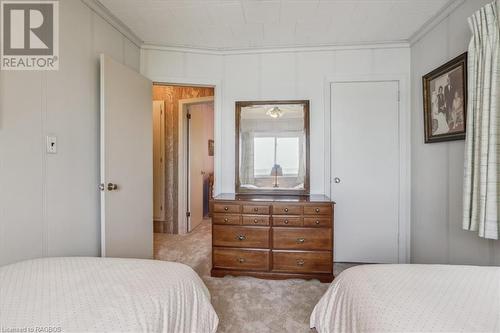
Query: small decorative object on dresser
x=274 y=237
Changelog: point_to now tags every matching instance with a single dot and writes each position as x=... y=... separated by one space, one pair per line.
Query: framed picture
x=445 y=101
x=210 y=147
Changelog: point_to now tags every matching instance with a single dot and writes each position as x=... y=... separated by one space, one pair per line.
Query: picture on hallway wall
x=211 y=148
x=445 y=101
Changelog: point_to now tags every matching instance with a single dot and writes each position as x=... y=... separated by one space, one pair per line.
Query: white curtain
x=482 y=157
x=247 y=175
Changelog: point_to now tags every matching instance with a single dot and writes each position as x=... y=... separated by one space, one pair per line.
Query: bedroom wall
x=437 y=168
x=49 y=204
x=299 y=74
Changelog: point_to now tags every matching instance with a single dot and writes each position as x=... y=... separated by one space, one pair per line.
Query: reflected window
x=276 y=150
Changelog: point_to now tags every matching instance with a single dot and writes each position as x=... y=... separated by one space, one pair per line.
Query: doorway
x=172 y=197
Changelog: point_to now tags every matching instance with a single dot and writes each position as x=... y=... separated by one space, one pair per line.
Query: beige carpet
x=245 y=304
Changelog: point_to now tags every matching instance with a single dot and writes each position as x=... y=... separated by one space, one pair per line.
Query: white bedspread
x=103 y=295
x=411 y=298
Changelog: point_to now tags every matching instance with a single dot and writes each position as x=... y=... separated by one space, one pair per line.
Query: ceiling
x=247 y=24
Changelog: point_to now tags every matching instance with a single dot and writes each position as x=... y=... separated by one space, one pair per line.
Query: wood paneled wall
x=171 y=96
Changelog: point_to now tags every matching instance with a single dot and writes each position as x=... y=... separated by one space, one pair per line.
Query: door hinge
x=161 y=207
x=188 y=214
x=188 y=115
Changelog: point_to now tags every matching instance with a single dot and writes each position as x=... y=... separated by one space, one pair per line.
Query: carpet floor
x=245 y=304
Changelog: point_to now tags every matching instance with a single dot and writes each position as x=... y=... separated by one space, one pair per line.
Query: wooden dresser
x=275 y=237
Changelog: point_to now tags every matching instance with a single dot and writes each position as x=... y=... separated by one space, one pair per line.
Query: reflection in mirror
x=272 y=147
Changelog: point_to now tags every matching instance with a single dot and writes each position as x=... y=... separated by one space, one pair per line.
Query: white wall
x=273 y=75
x=437 y=168
x=49 y=204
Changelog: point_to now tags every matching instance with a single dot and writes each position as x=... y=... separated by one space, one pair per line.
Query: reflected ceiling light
x=275 y=112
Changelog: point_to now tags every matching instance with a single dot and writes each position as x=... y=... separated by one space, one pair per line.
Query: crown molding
x=103 y=12
x=333 y=47
x=431 y=23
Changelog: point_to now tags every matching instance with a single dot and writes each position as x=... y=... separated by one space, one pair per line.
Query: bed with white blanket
x=83 y=294
x=411 y=298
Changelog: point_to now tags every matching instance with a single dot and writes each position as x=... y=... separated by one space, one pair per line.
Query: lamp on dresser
x=270 y=231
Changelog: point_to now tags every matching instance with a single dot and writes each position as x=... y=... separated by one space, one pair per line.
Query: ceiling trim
x=431 y=23
x=103 y=12
x=384 y=45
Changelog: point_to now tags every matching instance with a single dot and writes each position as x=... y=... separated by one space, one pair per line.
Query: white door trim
x=182 y=171
x=404 y=226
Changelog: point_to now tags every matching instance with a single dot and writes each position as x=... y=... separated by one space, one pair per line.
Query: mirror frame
x=238 y=189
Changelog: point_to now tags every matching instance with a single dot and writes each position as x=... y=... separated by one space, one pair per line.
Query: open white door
x=126 y=162
x=197 y=145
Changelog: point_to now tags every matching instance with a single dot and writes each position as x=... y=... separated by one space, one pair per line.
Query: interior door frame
x=404 y=220
x=182 y=188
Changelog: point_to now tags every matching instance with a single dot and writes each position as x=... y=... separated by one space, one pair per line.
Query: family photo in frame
x=445 y=101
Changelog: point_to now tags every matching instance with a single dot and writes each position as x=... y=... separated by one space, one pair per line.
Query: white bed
x=411 y=298
x=83 y=294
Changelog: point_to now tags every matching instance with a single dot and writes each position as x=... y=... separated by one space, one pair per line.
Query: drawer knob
x=241 y=260
x=286 y=222
x=301 y=240
x=241 y=237
x=317 y=210
x=286 y=209
x=255 y=221
x=226 y=220
x=226 y=208
x=317 y=222
x=256 y=209
x=300 y=262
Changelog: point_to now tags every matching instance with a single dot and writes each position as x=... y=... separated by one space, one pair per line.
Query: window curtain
x=302 y=160
x=482 y=155
x=247 y=175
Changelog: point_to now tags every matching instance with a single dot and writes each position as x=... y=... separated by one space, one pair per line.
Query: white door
x=126 y=162
x=196 y=172
x=159 y=160
x=365 y=170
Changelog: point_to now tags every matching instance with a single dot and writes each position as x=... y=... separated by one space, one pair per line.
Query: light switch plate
x=51 y=144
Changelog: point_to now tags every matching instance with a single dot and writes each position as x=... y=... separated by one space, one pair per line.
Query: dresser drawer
x=320 y=222
x=226 y=208
x=255 y=220
x=302 y=238
x=255 y=260
x=235 y=236
x=287 y=209
x=256 y=209
x=226 y=219
x=318 y=210
x=310 y=262
x=287 y=221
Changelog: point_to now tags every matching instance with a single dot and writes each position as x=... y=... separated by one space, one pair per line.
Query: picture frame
x=211 y=148
x=445 y=101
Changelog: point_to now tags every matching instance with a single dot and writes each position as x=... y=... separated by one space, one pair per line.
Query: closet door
x=365 y=170
x=126 y=162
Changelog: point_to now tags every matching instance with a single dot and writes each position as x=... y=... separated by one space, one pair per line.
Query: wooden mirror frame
x=238 y=188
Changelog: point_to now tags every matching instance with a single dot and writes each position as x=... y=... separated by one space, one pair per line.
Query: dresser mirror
x=272 y=147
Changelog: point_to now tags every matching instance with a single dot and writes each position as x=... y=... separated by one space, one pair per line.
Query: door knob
x=101 y=187
x=336 y=180
x=112 y=187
